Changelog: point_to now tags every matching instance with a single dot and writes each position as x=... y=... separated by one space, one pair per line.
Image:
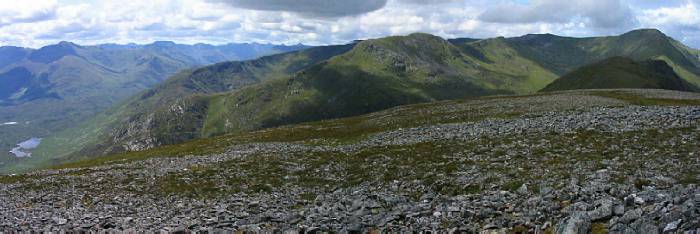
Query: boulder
x=576 y=223
x=631 y=216
x=603 y=210
x=672 y=226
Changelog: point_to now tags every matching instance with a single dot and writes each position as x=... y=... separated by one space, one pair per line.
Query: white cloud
x=13 y=12
x=597 y=14
x=221 y=21
x=682 y=21
x=686 y=15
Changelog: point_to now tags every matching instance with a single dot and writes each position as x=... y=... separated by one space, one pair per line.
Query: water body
x=9 y=123
x=22 y=149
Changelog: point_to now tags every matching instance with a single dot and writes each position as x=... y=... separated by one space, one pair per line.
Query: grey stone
x=619 y=210
x=672 y=226
x=523 y=190
x=631 y=216
x=603 y=210
x=644 y=226
x=576 y=223
x=59 y=220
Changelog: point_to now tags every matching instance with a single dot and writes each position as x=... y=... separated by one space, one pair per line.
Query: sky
x=35 y=23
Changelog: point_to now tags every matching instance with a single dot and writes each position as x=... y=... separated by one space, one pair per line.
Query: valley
x=44 y=91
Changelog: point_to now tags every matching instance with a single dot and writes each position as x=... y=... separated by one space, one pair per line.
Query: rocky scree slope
x=618 y=161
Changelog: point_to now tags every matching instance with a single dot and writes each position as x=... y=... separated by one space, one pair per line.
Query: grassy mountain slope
x=374 y=75
x=309 y=85
x=563 y=54
x=12 y=54
x=361 y=81
x=167 y=112
x=620 y=72
x=59 y=86
x=501 y=66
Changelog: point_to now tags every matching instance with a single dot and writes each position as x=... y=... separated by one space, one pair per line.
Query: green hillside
x=325 y=82
x=375 y=75
x=563 y=54
x=620 y=72
x=61 y=86
x=165 y=112
x=340 y=81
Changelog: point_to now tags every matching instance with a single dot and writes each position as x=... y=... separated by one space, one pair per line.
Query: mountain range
x=345 y=80
x=58 y=86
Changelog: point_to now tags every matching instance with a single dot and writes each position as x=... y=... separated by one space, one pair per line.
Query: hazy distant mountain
x=56 y=86
x=338 y=81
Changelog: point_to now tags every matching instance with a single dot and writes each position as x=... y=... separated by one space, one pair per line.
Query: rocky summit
x=590 y=161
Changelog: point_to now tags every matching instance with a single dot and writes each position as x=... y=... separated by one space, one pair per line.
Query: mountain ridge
x=621 y=72
x=375 y=74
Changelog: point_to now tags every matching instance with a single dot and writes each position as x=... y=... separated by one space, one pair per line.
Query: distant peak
x=422 y=35
x=536 y=38
x=539 y=35
x=163 y=43
x=51 y=53
x=646 y=32
x=67 y=44
x=496 y=39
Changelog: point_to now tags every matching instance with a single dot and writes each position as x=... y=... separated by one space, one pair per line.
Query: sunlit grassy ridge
x=375 y=75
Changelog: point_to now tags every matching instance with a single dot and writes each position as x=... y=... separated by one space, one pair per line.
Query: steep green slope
x=376 y=75
x=382 y=73
x=501 y=66
x=620 y=72
x=169 y=112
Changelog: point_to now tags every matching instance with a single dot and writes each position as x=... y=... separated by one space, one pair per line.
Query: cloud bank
x=598 y=14
x=320 y=22
x=311 y=8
